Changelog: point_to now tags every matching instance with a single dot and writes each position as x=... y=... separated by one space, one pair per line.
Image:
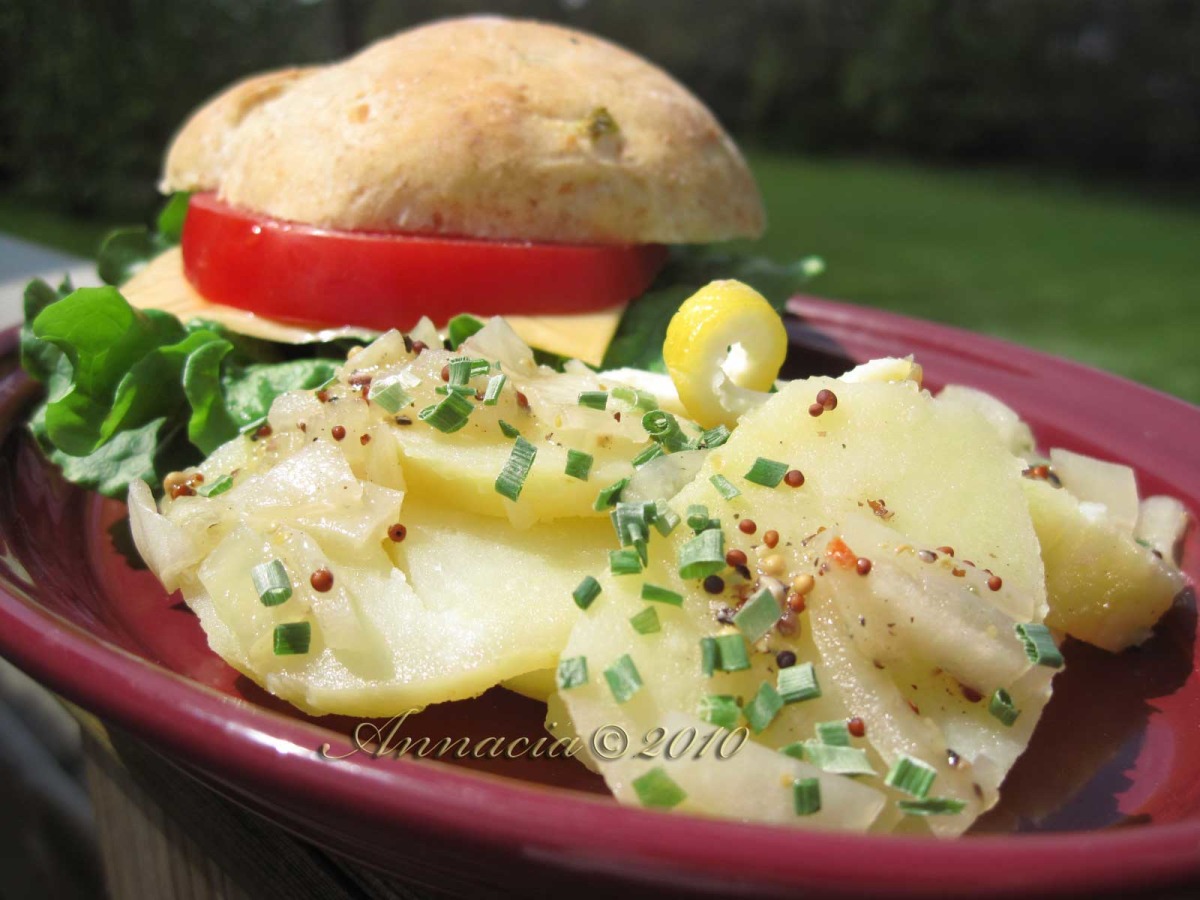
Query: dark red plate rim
x=270 y=757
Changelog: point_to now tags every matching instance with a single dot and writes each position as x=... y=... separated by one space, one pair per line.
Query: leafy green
x=460 y=328
x=643 y=328
x=135 y=393
x=126 y=250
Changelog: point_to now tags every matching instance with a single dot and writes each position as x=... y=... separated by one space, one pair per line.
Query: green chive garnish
x=593 y=399
x=292 y=638
x=646 y=622
x=714 y=437
x=710 y=656
x=623 y=678
x=610 y=495
x=664 y=429
x=587 y=592
x=833 y=759
x=798 y=683
x=758 y=616
x=656 y=789
x=624 y=562
x=463 y=390
x=665 y=519
x=912 y=776
x=703 y=555
x=635 y=398
x=579 y=464
x=1039 y=645
x=271 y=583
x=763 y=707
x=731 y=653
x=448 y=415
x=722 y=710
x=1001 y=706
x=931 y=806
x=216 y=487
x=511 y=479
x=724 y=487
x=806 y=796
x=766 y=472
x=656 y=594
x=495 y=385
x=653 y=451
x=509 y=431
x=389 y=394
x=834 y=734
x=699 y=520
x=462 y=369
x=571 y=673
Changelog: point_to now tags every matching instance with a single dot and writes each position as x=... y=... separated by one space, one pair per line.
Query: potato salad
x=842 y=600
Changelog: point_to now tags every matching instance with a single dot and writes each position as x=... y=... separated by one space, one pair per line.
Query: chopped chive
x=703 y=555
x=610 y=495
x=646 y=622
x=571 y=673
x=593 y=399
x=710 y=656
x=216 y=487
x=579 y=464
x=509 y=431
x=731 y=653
x=714 y=437
x=491 y=396
x=623 y=678
x=766 y=472
x=699 y=520
x=912 y=776
x=836 y=760
x=463 y=390
x=931 y=806
x=448 y=415
x=586 y=593
x=653 y=451
x=722 y=710
x=271 y=583
x=724 y=487
x=758 y=616
x=635 y=398
x=1039 y=645
x=511 y=479
x=833 y=734
x=664 y=429
x=292 y=638
x=631 y=520
x=763 y=707
x=798 y=683
x=806 y=796
x=666 y=519
x=462 y=369
x=389 y=394
x=1001 y=706
x=656 y=594
x=656 y=789
x=624 y=562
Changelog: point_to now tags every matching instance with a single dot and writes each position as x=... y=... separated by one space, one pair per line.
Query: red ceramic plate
x=1106 y=799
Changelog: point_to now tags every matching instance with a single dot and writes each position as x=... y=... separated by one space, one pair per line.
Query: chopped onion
x=664 y=476
x=1095 y=481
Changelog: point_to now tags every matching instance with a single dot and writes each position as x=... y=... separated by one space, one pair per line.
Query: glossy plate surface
x=1107 y=797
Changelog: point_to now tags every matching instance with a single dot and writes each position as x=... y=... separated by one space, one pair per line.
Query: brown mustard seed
x=794 y=478
x=971 y=695
x=827 y=399
x=714 y=584
x=364 y=439
x=957 y=572
x=735 y=558
x=802 y=584
x=815 y=410
x=796 y=602
x=747 y=526
x=419 y=347
x=995 y=583
x=338 y=432
x=402 y=420
x=862 y=566
x=397 y=532
x=787 y=624
x=321 y=580
x=445 y=373
x=522 y=400
x=263 y=431
x=926 y=556
x=360 y=379
x=949 y=551
x=856 y=726
x=771 y=538
x=323 y=396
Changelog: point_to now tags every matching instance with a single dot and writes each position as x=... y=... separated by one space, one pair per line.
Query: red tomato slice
x=298 y=273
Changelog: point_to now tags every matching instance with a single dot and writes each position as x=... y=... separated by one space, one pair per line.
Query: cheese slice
x=162 y=285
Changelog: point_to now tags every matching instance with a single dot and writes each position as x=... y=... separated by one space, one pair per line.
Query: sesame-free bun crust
x=482 y=127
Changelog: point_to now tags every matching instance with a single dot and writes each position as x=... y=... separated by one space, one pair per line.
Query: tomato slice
x=299 y=273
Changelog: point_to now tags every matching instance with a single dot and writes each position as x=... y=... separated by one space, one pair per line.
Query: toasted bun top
x=484 y=127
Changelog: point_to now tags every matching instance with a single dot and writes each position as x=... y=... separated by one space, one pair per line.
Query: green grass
x=1103 y=277
x=53 y=229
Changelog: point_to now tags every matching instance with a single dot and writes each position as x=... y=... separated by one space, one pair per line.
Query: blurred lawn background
x=1025 y=169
